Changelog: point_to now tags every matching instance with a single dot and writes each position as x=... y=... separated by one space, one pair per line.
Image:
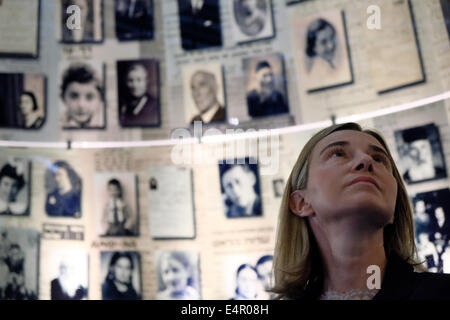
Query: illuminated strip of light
x=394 y=109
x=131 y=144
x=33 y=144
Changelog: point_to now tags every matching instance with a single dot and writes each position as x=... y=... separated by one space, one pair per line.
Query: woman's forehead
x=353 y=137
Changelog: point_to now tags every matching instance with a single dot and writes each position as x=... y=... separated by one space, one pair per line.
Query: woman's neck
x=346 y=256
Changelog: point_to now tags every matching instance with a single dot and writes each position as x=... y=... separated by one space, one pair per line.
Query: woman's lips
x=365 y=179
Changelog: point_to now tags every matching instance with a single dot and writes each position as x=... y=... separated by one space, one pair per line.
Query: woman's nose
x=363 y=163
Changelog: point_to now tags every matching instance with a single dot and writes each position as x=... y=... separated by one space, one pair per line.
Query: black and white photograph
x=200 y=24
x=69 y=274
x=15 y=185
x=81 y=21
x=178 y=274
x=240 y=188
x=248 y=277
x=121 y=275
x=19 y=264
x=204 y=93
x=22 y=100
x=420 y=154
x=432 y=228
x=445 y=5
x=252 y=20
x=19 y=28
x=117 y=204
x=139 y=101
x=63 y=187
x=134 y=19
x=321 y=51
x=265 y=83
x=82 y=96
x=278 y=187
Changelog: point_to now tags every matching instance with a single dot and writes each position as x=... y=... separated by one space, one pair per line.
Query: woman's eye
x=337 y=152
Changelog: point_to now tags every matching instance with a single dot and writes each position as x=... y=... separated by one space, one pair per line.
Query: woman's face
x=122 y=270
x=62 y=179
x=137 y=82
x=8 y=189
x=247 y=282
x=326 y=44
x=350 y=175
x=174 y=275
x=26 y=104
x=82 y=100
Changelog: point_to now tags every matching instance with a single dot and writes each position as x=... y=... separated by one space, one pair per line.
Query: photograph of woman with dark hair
x=321 y=43
x=119 y=284
x=345 y=208
x=32 y=119
x=63 y=187
x=14 y=188
x=247 y=283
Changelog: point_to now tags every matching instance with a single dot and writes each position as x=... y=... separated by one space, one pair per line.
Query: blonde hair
x=297 y=256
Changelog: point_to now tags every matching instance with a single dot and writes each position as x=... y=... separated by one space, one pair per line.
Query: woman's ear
x=298 y=205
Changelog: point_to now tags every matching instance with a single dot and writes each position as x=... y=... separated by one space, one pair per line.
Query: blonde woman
x=345 y=210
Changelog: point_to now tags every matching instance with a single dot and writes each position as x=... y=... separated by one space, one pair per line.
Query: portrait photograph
x=248 y=277
x=251 y=20
x=117 y=204
x=178 y=274
x=63 y=188
x=22 y=101
x=134 y=19
x=278 y=187
x=139 y=100
x=69 y=274
x=121 y=275
x=421 y=157
x=19 y=28
x=432 y=229
x=445 y=5
x=265 y=84
x=240 y=188
x=82 y=95
x=200 y=24
x=204 y=93
x=19 y=264
x=90 y=29
x=15 y=186
x=321 y=50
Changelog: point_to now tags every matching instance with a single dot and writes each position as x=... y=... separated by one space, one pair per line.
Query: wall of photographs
x=167 y=222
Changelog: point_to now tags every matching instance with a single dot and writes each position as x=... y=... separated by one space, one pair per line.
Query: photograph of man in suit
x=199 y=24
x=204 y=89
x=134 y=19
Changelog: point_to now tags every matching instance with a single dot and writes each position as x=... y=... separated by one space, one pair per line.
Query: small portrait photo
x=265 y=83
x=138 y=82
x=15 y=184
x=445 y=5
x=121 y=274
x=204 y=93
x=240 y=188
x=63 y=187
x=200 y=26
x=420 y=154
x=278 y=187
x=22 y=100
x=432 y=228
x=69 y=274
x=82 y=96
x=153 y=183
x=249 y=277
x=19 y=264
x=89 y=15
x=134 y=19
x=321 y=51
x=178 y=275
x=251 y=20
x=117 y=204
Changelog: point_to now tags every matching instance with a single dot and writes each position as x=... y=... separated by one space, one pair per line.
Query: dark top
x=137 y=24
x=200 y=29
x=147 y=116
x=110 y=292
x=400 y=282
x=275 y=104
x=57 y=292
x=66 y=205
x=220 y=115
